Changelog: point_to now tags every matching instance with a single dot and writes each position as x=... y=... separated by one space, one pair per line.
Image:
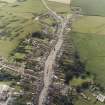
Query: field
x=90 y=24
x=91 y=48
x=89 y=37
x=90 y=7
x=17 y=21
x=88 y=34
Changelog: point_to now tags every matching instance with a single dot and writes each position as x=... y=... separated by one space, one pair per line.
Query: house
x=4 y=92
x=100 y=98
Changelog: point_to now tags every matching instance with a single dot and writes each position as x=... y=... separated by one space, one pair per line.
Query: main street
x=49 y=63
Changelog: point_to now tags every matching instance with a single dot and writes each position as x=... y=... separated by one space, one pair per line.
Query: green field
x=17 y=21
x=89 y=37
x=91 y=48
x=90 y=7
x=90 y=24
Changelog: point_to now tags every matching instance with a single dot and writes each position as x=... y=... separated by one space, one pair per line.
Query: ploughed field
x=17 y=21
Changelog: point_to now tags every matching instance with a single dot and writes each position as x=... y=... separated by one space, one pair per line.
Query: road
x=49 y=63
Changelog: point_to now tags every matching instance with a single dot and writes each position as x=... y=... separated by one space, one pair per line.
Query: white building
x=61 y=1
x=4 y=92
x=100 y=98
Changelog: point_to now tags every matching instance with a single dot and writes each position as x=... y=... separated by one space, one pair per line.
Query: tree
x=68 y=76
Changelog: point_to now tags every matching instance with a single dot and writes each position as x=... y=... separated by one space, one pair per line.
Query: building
x=100 y=98
x=4 y=92
x=61 y=1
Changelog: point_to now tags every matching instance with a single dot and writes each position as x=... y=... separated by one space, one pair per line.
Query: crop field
x=17 y=21
x=90 y=7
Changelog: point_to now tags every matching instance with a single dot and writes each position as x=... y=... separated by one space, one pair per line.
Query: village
x=43 y=67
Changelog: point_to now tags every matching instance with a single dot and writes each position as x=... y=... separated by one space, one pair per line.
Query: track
x=49 y=63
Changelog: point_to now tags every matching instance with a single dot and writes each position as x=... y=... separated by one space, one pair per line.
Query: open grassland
x=17 y=21
x=89 y=37
x=90 y=7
